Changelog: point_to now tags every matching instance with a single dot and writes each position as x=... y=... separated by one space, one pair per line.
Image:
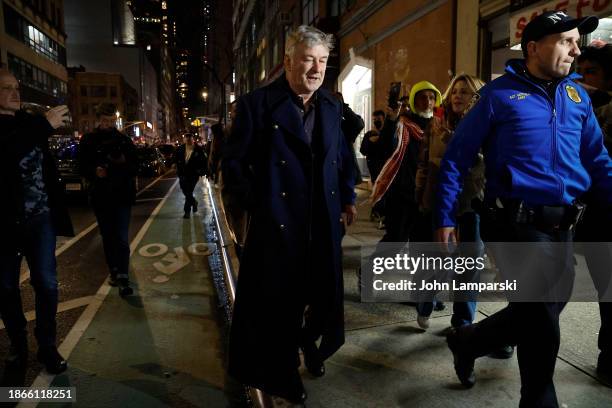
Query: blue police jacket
x=540 y=150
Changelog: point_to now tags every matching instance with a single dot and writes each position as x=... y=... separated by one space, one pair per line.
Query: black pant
x=187 y=186
x=401 y=216
x=532 y=326
x=114 y=223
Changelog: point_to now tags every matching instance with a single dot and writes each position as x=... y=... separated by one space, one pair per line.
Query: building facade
x=33 y=47
x=88 y=89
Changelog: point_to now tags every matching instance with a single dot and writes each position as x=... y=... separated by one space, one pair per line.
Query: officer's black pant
x=187 y=186
x=532 y=326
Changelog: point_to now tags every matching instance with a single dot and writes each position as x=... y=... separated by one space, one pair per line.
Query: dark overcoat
x=294 y=193
x=195 y=167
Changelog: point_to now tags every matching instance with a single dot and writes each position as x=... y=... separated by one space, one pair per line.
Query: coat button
x=341 y=220
x=333 y=162
x=283 y=194
x=333 y=192
x=275 y=127
x=282 y=226
x=283 y=162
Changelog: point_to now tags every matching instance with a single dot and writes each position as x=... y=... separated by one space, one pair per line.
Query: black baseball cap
x=555 y=22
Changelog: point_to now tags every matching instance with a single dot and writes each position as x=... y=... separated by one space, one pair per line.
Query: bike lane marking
x=44 y=379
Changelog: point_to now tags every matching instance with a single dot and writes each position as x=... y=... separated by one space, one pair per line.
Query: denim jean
x=35 y=240
x=463 y=311
x=114 y=223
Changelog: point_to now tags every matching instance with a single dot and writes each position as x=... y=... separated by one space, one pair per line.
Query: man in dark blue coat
x=284 y=162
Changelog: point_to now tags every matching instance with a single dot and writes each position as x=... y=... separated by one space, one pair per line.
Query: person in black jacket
x=352 y=125
x=190 y=162
x=108 y=162
x=32 y=214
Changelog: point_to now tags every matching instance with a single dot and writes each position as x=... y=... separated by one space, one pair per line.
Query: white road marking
x=25 y=273
x=62 y=307
x=44 y=379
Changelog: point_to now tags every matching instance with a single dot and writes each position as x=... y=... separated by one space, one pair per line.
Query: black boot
x=124 y=287
x=18 y=353
x=52 y=360
x=312 y=359
x=462 y=358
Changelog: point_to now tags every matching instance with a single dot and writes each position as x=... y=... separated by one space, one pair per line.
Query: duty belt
x=547 y=217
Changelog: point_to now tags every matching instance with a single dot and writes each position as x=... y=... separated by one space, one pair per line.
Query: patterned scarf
x=405 y=131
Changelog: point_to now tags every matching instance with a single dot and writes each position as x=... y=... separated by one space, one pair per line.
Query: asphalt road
x=81 y=267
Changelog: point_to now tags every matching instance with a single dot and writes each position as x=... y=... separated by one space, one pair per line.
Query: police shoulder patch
x=572 y=93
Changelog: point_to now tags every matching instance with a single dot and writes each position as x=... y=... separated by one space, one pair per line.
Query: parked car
x=66 y=155
x=167 y=150
x=150 y=162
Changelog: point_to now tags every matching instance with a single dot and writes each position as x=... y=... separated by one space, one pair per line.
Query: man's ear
x=531 y=48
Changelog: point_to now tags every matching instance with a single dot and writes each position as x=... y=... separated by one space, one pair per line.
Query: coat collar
x=283 y=112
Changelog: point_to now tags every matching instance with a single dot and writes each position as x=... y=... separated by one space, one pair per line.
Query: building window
x=22 y=30
x=83 y=90
x=34 y=77
x=113 y=91
x=98 y=91
x=84 y=109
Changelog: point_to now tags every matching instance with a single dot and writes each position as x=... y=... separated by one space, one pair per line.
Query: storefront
x=503 y=24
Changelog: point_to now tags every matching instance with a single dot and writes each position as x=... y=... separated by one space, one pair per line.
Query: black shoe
x=604 y=369
x=18 y=354
x=295 y=393
x=52 y=360
x=502 y=353
x=194 y=207
x=186 y=216
x=463 y=362
x=439 y=306
x=312 y=359
x=124 y=288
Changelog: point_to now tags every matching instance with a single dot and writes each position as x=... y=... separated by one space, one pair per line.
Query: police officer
x=108 y=162
x=543 y=149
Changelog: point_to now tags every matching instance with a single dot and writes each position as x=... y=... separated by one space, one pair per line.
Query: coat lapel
x=283 y=112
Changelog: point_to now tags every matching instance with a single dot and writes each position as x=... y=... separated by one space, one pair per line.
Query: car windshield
x=67 y=152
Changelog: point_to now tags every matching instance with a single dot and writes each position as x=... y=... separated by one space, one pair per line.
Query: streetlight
x=205 y=95
x=119 y=121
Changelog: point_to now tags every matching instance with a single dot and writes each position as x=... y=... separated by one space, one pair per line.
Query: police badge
x=572 y=93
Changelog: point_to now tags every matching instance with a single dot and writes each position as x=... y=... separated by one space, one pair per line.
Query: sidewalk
x=388 y=361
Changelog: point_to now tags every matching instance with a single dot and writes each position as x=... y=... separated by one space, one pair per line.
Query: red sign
x=575 y=8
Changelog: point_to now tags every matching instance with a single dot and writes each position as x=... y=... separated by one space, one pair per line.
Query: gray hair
x=310 y=36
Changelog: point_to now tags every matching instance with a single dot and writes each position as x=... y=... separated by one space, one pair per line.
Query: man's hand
x=100 y=172
x=349 y=215
x=57 y=116
x=446 y=235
